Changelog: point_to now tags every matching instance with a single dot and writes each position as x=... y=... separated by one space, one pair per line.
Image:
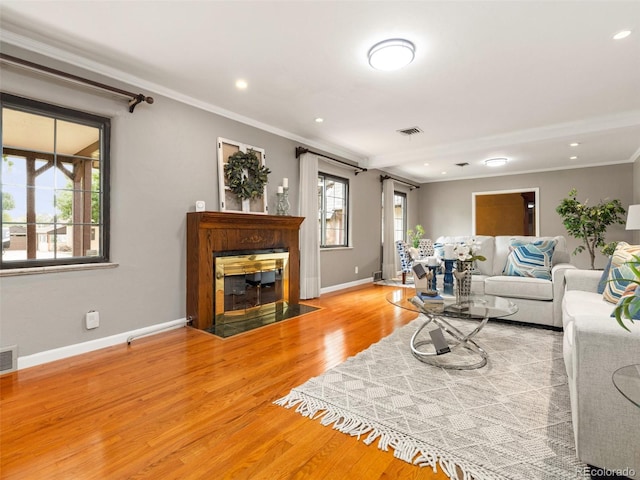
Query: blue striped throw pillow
x=530 y=259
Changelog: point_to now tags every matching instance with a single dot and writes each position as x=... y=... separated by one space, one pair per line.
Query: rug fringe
x=404 y=448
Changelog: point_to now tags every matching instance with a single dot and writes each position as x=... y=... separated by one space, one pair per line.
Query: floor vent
x=8 y=359
x=409 y=131
x=377 y=276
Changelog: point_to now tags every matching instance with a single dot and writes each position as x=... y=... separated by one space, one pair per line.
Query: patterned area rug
x=508 y=420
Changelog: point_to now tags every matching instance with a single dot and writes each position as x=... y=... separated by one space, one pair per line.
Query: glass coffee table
x=437 y=336
x=627 y=381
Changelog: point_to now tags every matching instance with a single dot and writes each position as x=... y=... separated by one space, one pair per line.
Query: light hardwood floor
x=188 y=405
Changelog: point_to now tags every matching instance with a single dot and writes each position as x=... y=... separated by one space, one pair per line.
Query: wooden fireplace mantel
x=210 y=232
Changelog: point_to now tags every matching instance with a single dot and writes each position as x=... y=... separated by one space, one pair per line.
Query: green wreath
x=245 y=175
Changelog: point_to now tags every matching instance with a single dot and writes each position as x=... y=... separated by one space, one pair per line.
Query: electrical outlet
x=356 y=269
x=92 y=319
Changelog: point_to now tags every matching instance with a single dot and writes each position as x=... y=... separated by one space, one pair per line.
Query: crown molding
x=55 y=53
x=524 y=172
x=533 y=135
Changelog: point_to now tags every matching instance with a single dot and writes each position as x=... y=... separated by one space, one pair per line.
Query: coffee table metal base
x=461 y=341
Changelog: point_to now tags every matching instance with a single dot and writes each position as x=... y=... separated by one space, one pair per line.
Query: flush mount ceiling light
x=495 y=162
x=241 y=84
x=622 y=34
x=391 y=54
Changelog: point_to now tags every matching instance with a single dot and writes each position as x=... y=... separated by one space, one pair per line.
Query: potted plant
x=609 y=248
x=629 y=307
x=414 y=236
x=589 y=223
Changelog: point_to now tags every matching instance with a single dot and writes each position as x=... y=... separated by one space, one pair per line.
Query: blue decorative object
x=448 y=276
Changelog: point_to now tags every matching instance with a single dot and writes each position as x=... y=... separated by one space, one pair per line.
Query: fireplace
x=250 y=284
x=214 y=238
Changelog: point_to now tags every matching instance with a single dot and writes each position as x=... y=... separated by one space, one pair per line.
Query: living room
x=163 y=160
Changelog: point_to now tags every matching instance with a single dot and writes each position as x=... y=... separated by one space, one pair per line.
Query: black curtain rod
x=302 y=150
x=135 y=98
x=384 y=177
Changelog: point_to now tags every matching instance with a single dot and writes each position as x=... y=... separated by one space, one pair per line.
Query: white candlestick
x=449 y=254
x=285 y=182
x=280 y=189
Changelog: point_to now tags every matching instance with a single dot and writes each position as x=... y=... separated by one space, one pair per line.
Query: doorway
x=506 y=212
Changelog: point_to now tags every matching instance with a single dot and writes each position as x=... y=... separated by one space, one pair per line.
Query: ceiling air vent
x=409 y=131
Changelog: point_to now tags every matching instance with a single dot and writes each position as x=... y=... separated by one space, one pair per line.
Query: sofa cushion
x=578 y=303
x=530 y=259
x=605 y=276
x=425 y=247
x=503 y=242
x=624 y=253
x=620 y=272
x=633 y=308
x=519 y=287
x=619 y=279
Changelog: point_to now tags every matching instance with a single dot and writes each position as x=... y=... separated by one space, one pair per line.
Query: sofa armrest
x=603 y=416
x=558 y=273
x=586 y=280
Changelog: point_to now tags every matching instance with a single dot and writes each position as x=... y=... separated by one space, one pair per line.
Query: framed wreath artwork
x=242 y=176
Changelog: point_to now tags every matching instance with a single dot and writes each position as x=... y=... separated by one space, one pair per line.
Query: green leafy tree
x=414 y=236
x=589 y=223
x=8 y=203
x=64 y=200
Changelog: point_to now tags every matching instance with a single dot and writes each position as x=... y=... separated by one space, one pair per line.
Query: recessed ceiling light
x=426 y=164
x=443 y=173
x=622 y=34
x=241 y=84
x=573 y=158
x=574 y=144
x=391 y=54
x=319 y=120
x=495 y=162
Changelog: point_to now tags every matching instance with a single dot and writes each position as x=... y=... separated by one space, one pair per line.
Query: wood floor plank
x=186 y=404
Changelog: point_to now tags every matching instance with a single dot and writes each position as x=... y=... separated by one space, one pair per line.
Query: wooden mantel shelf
x=211 y=232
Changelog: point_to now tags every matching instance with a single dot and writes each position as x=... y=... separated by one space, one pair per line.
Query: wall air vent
x=409 y=131
x=8 y=359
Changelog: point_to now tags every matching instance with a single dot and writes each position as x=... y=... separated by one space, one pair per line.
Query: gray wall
x=163 y=159
x=337 y=265
x=445 y=207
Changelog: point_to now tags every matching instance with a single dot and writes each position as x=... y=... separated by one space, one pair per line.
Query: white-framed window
x=333 y=211
x=54 y=181
x=399 y=216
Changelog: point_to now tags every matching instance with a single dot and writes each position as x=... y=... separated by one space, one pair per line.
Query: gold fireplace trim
x=248 y=264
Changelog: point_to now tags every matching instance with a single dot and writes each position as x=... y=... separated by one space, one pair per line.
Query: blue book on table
x=424 y=297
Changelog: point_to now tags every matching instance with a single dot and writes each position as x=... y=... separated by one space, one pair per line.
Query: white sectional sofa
x=539 y=301
x=606 y=425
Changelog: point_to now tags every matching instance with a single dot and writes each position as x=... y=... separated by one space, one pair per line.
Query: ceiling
x=514 y=79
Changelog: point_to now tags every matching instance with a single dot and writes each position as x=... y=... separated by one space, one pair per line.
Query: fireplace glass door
x=250 y=285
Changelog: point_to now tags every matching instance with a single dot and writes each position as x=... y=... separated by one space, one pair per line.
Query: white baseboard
x=342 y=286
x=85 y=347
